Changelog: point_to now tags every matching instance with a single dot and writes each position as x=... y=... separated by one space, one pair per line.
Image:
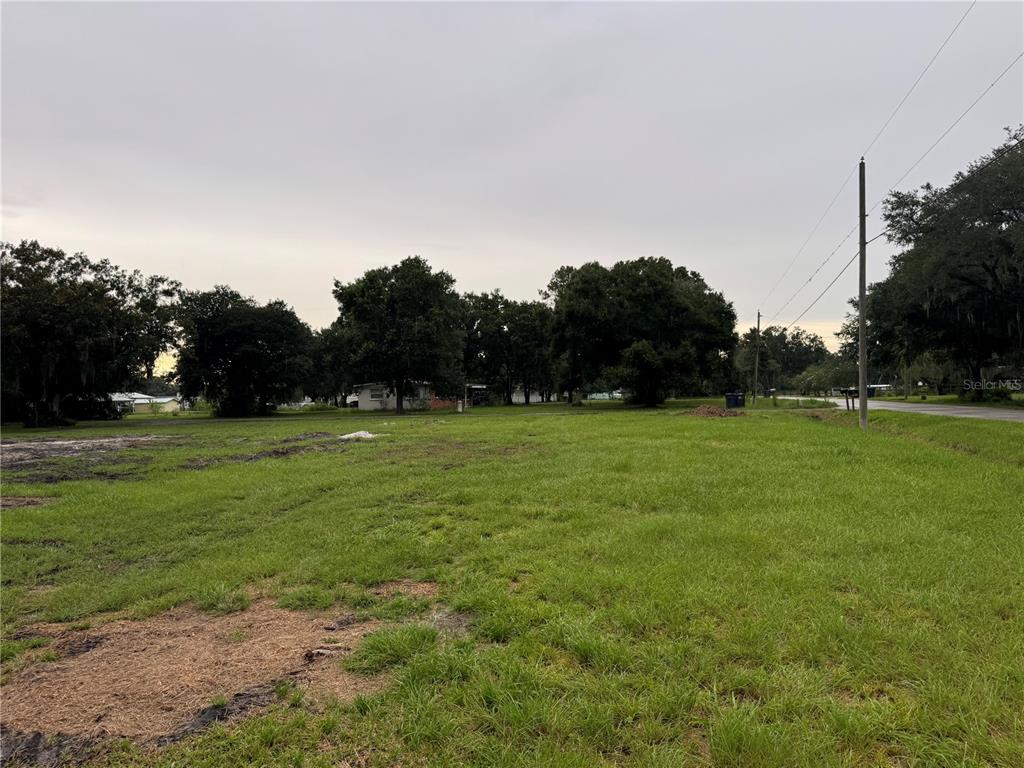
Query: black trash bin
x=735 y=400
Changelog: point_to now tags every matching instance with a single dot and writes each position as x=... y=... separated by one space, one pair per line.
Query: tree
x=508 y=344
x=529 y=329
x=585 y=334
x=820 y=378
x=330 y=376
x=242 y=357
x=642 y=325
x=487 y=355
x=74 y=330
x=405 y=325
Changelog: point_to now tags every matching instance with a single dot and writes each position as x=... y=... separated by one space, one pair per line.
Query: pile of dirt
x=714 y=412
x=28 y=453
x=163 y=678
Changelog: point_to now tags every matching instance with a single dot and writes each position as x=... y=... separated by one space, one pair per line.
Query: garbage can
x=735 y=400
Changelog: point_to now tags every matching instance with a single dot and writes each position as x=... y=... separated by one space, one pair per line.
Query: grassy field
x=644 y=588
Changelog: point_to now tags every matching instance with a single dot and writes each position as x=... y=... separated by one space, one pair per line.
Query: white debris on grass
x=360 y=435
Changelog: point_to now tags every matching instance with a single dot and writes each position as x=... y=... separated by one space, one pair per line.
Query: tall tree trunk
x=400 y=397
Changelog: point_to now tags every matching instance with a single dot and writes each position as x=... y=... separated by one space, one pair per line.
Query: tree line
x=952 y=308
x=75 y=330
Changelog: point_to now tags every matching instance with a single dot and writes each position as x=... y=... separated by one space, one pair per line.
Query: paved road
x=942 y=409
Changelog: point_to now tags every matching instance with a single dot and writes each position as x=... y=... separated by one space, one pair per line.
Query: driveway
x=942 y=409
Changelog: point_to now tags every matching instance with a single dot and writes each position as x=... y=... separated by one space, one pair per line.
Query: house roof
x=140 y=397
x=128 y=396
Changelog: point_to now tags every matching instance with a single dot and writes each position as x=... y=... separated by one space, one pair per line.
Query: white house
x=137 y=402
x=378 y=397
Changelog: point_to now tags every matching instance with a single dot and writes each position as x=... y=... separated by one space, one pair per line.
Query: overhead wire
x=872 y=143
x=927 y=152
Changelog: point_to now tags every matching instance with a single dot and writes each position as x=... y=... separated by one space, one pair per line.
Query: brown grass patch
x=407 y=587
x=714 y=412
x=161 y=678
x=15 y=502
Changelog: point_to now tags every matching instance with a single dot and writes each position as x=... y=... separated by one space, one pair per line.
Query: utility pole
x=757 y=354
x=862 y=357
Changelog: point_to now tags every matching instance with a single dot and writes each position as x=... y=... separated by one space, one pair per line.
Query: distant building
x=376 y=396
x=137 y=402
x=614 y=395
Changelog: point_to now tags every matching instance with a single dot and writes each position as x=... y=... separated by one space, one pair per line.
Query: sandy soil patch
x=162 y=678
x=26 y=453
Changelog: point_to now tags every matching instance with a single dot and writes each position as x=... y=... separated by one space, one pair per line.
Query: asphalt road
x=942 y=409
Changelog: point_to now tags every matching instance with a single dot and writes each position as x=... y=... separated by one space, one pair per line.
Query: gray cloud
x=277 y=146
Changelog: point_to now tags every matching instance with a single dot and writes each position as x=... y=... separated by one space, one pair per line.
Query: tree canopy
x=242 y=357
x=405 y=325
x=508 y=344
x=642 y=325
x=75 y=329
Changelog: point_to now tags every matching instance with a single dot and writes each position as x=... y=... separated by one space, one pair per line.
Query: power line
x=820 y=295
x=907 y=173
x=919 y=78
x=834 y=281
x=814 y=229
x=995 y=156
x=814 y=274
x=955 y=123
x=846 y=181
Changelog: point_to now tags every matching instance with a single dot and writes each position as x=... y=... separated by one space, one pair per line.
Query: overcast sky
x=274 y=147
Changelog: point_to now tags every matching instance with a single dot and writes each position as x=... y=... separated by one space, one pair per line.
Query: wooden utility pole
x=757 y=354
x=862 y=357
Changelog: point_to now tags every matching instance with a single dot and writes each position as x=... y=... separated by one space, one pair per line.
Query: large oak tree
x=405 y=325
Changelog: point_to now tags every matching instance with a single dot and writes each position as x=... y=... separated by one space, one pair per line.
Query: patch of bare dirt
x=308 y=436
x=408 y=587
x=714 y=412
x=292 y=447
x=162 y=678
x=17 y=748
x=27 y=453
x=16 y=502
x=449 y=622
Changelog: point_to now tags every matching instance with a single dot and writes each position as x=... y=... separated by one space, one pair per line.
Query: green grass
x=646 y=587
